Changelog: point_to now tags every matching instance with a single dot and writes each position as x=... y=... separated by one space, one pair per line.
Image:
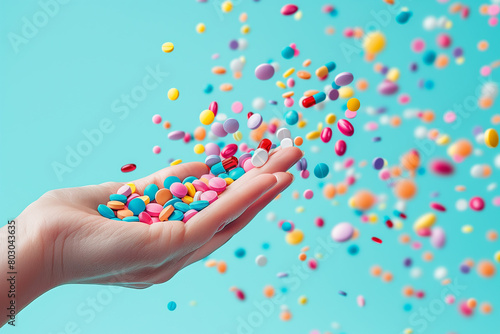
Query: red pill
x=437 y=207
x=230 y=163
x=249 y=114
x=229 y=151
x=340 y=147
x=266 y=144
x=319 y=222
x=128 y=168
x=389 y=223
x=326 y=135
x=308 y=102
x=377 y=240
x=187 y=138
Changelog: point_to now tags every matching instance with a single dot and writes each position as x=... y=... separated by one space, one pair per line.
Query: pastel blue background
x=65 y=79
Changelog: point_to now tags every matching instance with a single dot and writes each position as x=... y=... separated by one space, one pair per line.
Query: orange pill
x=226 y=87
x=237 y=75
x=363 y=200
x=376 y=270
x=268 y=291
x=221 y=267
x=486 y=308
x=162 y=196
x=486 y=268
x=369 y=57
x=495 y=119
x=469 y=262
x=395 y=121
x=295 y=194
x=362 y=84
x=210 y=263
x=287 y=94
x=405 y=189
x=355 y=234
x=124 y=213
x=428 y=116
x=471 y=303
x=218 y=70
x=407 y=291
x=166 y=212
x=285 y=315
x=483 y=9
x=310 y=92
x=427 y=256
x=485 y=102
x=200 y=133
x=115 y=205
x=304 y=75
x=329 y=191
x=298 y=141
x=441 y=61
x=306 y=62
x=302 y=256
x=404 y=238
x=341 y=188
x=387 y=277
x=491 y=235
x=167 y=125
x=396 y=171
x=330 y=30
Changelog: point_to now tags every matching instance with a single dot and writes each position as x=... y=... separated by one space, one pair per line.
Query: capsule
x=323 y=71
x=230 y=163
x=128 y=168
x=314 y=99
x=266 y=144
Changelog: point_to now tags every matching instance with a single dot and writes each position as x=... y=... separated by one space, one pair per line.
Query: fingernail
x=303 y=153
x=293 y=176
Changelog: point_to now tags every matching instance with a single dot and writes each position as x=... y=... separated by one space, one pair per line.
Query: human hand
x=68 y=241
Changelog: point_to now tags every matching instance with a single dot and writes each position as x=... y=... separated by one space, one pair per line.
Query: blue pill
x=403 y=17
x=223 y=175
x=321 y=170
x=208 y=89
x=189 y=179
x=286 y=226
x=181 y=206
x=407 y=307
x=319 y=97
x=240 y=252
x=353 y=249
x=105 y=211
x=136 y=205
x=171 y=306
x=217 y=169
x=429 y=57
x=118 y=197
x=429 y=84
x=176 y=215
x=131 y=219
x=291 y=117
x=116 y=219
x=236 y=173
x=151 y=191
x=198 y=205
x=169 y=180
x=288 y=52
x=335 y=86
x=172 y=202
x=330 y=66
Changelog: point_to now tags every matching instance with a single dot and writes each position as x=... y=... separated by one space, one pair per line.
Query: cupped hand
x=81 y=246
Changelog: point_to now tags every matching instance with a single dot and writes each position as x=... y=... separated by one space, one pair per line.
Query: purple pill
x=243 y=158
x=464 y=268
x=218 y=129
x=378 y=163
x=304 y=163
x=458 y=52
x=264 y=71
x=384 y=70
x=273 y=102
x=333 y=94
x=231 y=125
x=212 y=149
x=233 y=45
x=212 y=160
x=254 y=121
x=344 y=78
x=387 y=87
x=407 y=262
x=176 y=135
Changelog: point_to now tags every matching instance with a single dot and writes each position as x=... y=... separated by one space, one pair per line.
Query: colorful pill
x=314 y=99
x=265 y=144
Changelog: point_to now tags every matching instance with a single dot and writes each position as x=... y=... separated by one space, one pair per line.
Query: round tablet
x=264 y=71
x=259 y=157
x=342 y=232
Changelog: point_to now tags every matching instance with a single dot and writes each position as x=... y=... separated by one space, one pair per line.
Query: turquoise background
x=67 y=76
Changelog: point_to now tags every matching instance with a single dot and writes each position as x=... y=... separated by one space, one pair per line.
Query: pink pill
x=404 y=99
x=157 y=119
x=145 y=218
x=178 y=189
x=131 y=197
x=237 y=107
x=214 y=107
x=340 y=147
x=155 y=219
x=424 y=232
x=154 y=209
x=441 y=167
x=361 y=301
x=350 y=180
x=493 y=9
x=319 y=222
x=247 y=165
x=209 y=196
x=313 y=264
x=124 y=190
x=217 y=184
x=449 y=299
x=371 y=126
x=437 y=207
x=304 y=174
x=156 y=149
x=417 y=45
x=308 y=194
x=207 y=176
x=443 y=40
x=485 y=71
x=493 y=21
x=326 y=135
x=289 y=102
x=345 y=127
x=290 y=82
x=465 y=309
x=496 y=201
x=348 y=163
x=289 y=9
x=384 y=174
x=348 y=32
x=188 y=215
x=350 y=114
x=229 y=151
x=199 y=185
x=476 y=203
x=449 y=117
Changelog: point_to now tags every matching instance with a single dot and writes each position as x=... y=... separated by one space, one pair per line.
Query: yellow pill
x=491 y=138
x=443 y=140
x=392 y=74
x=238 y=136
x=167 y=47
x=191 y=189
x=467 y=229
x=173 y=94
x=228 y=180
x=320 y=126
x=300 y=209
x=330 y=119
x=353 y=104
x=187 y=199
x=497 y=256
x=245 y=29
x=288 y=72
x=302 y=300
x=199 y=148
x=227 y=6
x=175 y=162
x=295 y=237
x=207 y=117
x=200 y=28
x=145 y=198
x=280 y=84
x=301 y=124
x=346 y=92
x=132 y=187
x=425 y=221
x=313 y=135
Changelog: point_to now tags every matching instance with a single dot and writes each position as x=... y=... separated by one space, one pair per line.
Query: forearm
x=23 y=270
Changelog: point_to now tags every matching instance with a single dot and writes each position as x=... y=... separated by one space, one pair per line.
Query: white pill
x=286 y=142
x=259 y=157
x=261 y=260
x=283 y=133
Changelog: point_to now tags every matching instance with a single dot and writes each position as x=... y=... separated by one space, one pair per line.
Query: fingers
x=219 y=239
x=182 y=171
x=228 y=207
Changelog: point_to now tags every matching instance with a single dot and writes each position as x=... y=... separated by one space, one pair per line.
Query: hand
x=68 y=241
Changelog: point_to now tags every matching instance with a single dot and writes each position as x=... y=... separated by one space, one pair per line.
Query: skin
x=62 y=239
